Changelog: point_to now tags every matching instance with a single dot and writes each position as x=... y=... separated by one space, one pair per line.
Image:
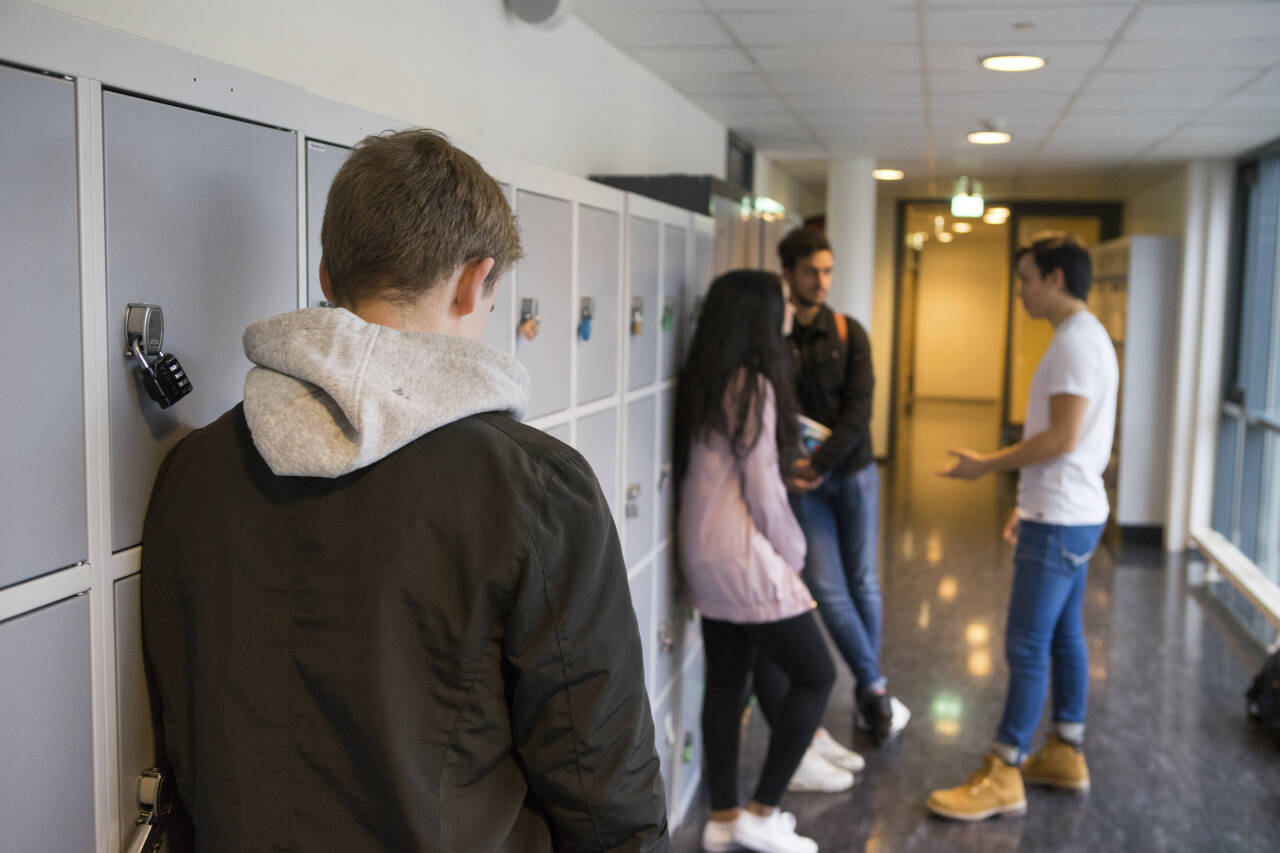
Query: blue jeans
x=1046 y=623
x=841 y=521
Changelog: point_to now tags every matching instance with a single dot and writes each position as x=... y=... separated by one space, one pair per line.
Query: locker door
x=666 y=723
x=42 y=491
x=644 y=288
x=642 y=601
x=500 y=331
x=666 y=474
x=668 y=619
x=641 y=422
x=323 y=162
x=46 y=730
x=674 y=257
x=598 y=252
x=202 y=220
x=545 y=275
x=559 y=432
x=133 y=705
x=598 y=443
x=689 y=750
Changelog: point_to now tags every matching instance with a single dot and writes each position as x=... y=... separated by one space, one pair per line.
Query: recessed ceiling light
x=946 y=237
x=888 y=174
x=962 y=227
x=1012 y=62
x=989 y=137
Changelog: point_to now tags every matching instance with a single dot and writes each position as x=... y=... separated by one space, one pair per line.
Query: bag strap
x=842 y=327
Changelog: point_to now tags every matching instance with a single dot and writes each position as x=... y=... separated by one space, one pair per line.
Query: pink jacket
x=741 y=549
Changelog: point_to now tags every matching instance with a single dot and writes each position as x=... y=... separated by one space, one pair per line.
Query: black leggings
x=797 y=647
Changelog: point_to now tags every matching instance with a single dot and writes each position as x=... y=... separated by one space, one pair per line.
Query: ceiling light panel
x=1066 y=22
x=685 y=60
x=1205 y=20
x=1067 y=56
x=875 y=25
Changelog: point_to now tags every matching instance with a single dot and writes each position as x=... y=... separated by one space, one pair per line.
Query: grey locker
x=668 y=617
x=42 y=492
x=689 y=749
x=666 y=474
x=500 y=331
x=674 y=265
x=133 y=723
x=666 y=724
x=323 y=162
x=638 y=485
x=642 y=602
x=644 y=295
x=545 y=275
x=559 y=432
x=598 y=251
x=46 y=730
x=598 y=443
x=202 y=220
x=703 y=268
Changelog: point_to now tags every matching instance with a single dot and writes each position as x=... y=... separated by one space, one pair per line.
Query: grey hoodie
x=332 y=394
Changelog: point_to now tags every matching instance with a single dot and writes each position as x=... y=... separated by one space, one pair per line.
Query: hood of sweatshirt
x=331 y=394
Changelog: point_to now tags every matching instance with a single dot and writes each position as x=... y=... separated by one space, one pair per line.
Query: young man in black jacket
x=379 y=612
x=836 y=490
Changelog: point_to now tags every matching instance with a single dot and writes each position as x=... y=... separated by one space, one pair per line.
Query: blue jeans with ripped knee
x=1046 y=627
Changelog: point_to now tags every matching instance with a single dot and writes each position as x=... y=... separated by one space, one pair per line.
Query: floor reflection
x=1174 y=765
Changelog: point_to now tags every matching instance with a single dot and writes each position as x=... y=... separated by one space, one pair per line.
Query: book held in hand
x=812 y=435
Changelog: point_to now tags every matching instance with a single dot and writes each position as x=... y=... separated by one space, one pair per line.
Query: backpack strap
x=842 y=327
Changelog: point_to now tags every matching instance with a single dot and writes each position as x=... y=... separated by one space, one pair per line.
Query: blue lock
x=584 y=324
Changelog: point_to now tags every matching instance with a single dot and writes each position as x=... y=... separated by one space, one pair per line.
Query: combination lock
x=163 y=377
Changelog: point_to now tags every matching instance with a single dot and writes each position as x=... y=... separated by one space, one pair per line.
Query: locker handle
x=530 y=319
x=584 y=322
x=154 y=804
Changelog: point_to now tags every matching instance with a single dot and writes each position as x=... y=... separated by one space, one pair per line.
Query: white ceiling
x=1129 y=83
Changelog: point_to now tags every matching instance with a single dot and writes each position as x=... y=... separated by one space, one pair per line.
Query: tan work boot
x=995 y=789
x=1059 y=764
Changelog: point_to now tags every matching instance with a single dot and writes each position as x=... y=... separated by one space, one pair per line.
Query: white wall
x=564 y=98
x=1158 y=207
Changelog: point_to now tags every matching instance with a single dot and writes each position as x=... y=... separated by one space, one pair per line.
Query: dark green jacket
x=436 y=652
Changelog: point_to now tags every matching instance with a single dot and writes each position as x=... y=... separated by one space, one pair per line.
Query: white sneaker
x=815 y=773
x=827 y=746
x=717 y=836
x=901 y=716
x=773 y=834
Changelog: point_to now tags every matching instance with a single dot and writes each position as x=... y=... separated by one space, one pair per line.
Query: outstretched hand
x=968 y=465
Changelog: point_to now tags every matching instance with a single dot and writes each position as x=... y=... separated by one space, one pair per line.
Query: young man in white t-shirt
x=1062 y=507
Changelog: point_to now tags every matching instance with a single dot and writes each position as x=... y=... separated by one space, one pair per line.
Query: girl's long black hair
x=740 y=328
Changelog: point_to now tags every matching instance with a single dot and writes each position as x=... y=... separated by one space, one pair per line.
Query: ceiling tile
x=1201 y=53
x=792 y=137
x=687 y=60
x=742 y=104
x=588 y=8
x=1214 y=81
x=847 y=26
x=872 y=58
x=1030 y=24
x=1106 y=101
x=997 y=105
x=980 y=81
x=871 y=102
x=1194 y=21
x=965 y=56
x=826 y=83
x=797 y=5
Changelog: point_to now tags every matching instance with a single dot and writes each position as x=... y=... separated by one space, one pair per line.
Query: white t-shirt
x=1068 y=489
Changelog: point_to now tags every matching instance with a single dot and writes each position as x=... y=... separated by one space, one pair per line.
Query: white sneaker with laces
x=901 y=716
x=773 y=834
x=817 y=774
x=830 y=749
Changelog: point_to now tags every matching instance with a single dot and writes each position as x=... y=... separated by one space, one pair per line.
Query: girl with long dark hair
x=741 y=551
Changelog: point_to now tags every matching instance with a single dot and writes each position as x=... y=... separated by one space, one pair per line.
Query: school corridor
x=1173 y=763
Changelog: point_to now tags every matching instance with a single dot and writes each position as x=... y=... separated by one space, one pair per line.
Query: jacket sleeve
x=766 y=494
x=849 y=431
x=580 y=717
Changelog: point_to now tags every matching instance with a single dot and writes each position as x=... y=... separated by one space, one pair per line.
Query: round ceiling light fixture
x=945 y=237
x=1013 y=62
x=991 y=134
x=888 y=174
x=962 y=227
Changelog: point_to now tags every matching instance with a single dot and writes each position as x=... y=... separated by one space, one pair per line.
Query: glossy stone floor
x=1174 y=766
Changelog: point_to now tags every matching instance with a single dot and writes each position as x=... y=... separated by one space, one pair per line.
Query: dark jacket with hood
x=380 y=614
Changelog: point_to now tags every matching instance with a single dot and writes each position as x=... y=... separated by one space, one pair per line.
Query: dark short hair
x=1053 y=250
x=405 y=210
x=799 y=244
